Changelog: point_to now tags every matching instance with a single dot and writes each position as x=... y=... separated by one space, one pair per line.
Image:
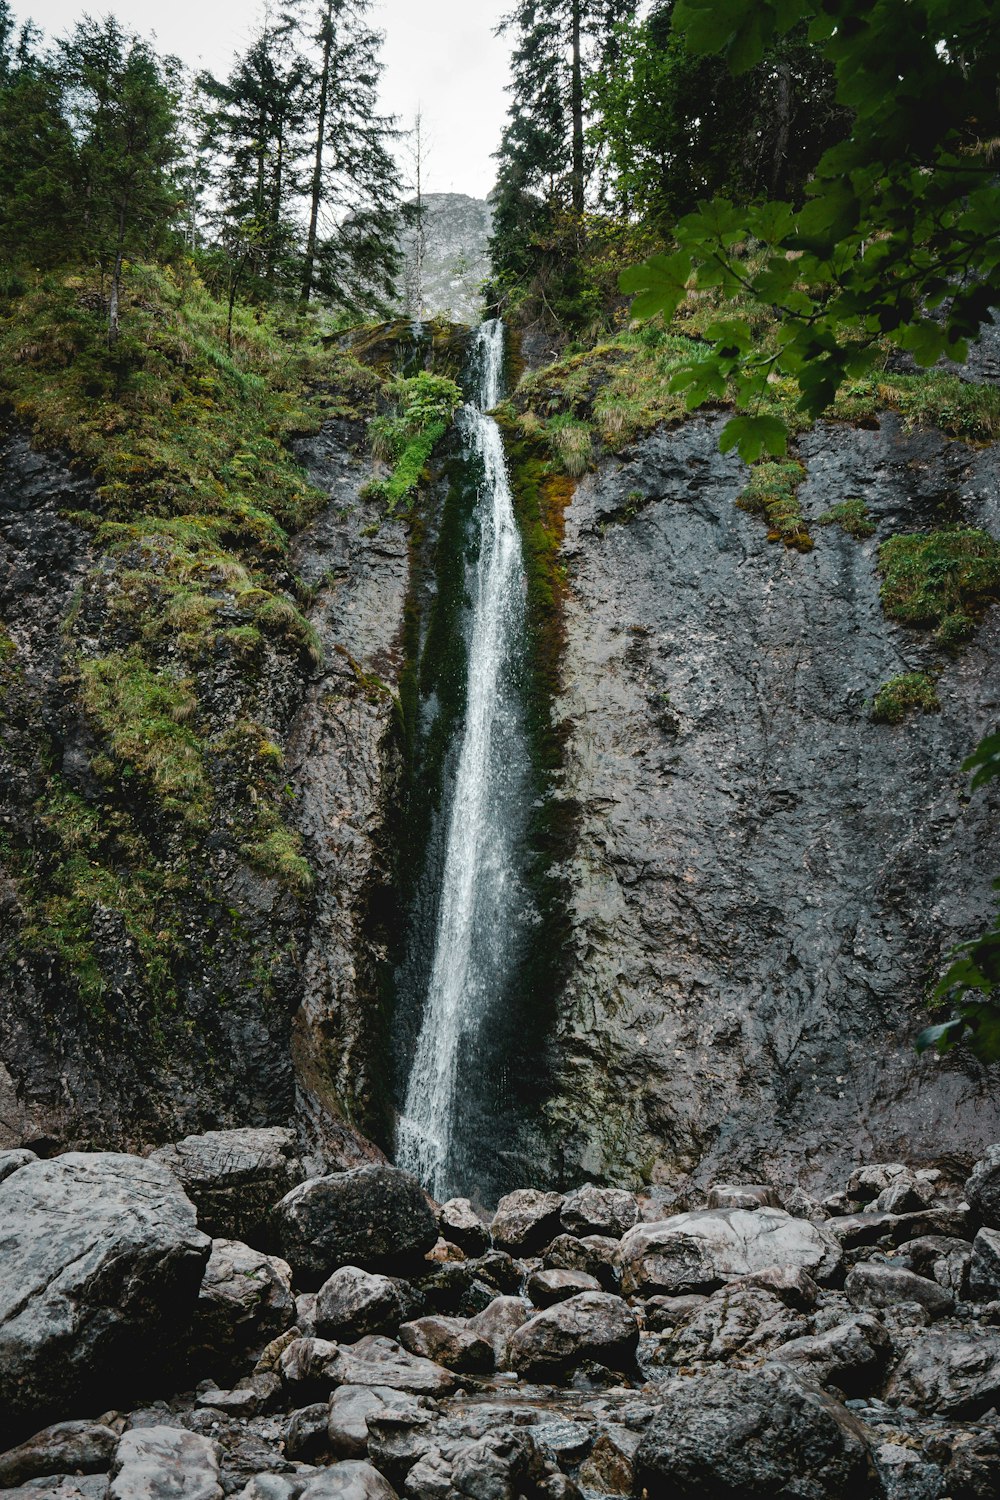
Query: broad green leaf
x=753 y=436
x=772 y=222
x=703 y=381
x=659 y=284
x=984 y=760
x=732 y=334
x=941 y=1037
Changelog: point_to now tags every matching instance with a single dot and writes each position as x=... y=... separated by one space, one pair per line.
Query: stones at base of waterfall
x=245 y=1301
x=593 y=1326
x=449 y=1342
x=348 y=1411
x=594 y=1254
x=102 y=1261
x=853 y=1355
x=733 y=1433
x=746 y=1323
x=597 y=1210
x=955 y=1374
x=941 y=1258
x=735 y=1195
x=373 y=1361
x=66 y=1448
x=905 y=1475
x=498 y=1324
x=546 y=1287
x=982 y=1188
x=525 y=1221
x=234 y=1177
x=699 y=1251
x=984 y=1266
x=350 y=1480
x=875 y=1284
x=160 y=1463
x=374 y=1217
x=62 y=1487
x=460 y=1225
x=353 y=1303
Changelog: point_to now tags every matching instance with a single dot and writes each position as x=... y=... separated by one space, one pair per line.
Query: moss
x=406 y=436
x=852 y=516
x=278 y=852
x=911 y=692
x=940 y=580
x=772 y=494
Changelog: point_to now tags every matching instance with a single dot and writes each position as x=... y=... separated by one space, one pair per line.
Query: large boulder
x=245 y=1301
x=874 y=1284
x=597 y=1210
x=984 y=1267
x=67 y=1448
x=953 y=1374
x=165 y=1463
x=498 y=1324
x=102 y=1260
x=375 y=1217
x=592 y=1326
x=753 y=1435
x=449 y=1342
x=699 y=1251
x=234 y=1178
x=525 y=1220
x=461 y=1225
x=353 y=1303
x=983 y=1188
x=351 y=1480
x=853 y=1355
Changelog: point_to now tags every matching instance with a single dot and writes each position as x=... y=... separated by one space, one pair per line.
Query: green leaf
x=942 y=1036
x=753 y=436
x=984 y=760
x=659 y=284
x=772 y=222
x=703 y=381
x=733 y=334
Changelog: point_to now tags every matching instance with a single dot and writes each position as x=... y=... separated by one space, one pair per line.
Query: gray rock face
x=945 y=1259
x=954 y=1374
x=525 y=1220
x=13 y=1161
x=739 y=1434
x=697 y=1251
x=983 y=1188
x=245 y=1301
x=853 y=1356
x=745 y=1323
x=68 y=1447
x=594 y=1210
x=592 y=1325
x=234 y=1177
x=764 y=877
x=355 y=1302
x=101 y=1257
x=984 y=1268
x=872 y=1284
x=455 y=263
x=732 y=1195
x=373 y=1217
x=165 y=1463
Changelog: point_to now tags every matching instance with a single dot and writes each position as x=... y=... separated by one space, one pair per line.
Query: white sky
x=440 y=56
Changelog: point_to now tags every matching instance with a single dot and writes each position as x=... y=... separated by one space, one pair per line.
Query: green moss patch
x=910 y=693
x=940 y=580
x=424 y=407
x=853 y=518
x=773 y=494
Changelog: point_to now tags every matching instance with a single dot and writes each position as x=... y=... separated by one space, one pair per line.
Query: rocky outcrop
x=455 y=258
x=764 y=879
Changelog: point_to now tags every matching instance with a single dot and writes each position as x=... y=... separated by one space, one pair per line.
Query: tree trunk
x=316 y=185
x=783 y=110
x=116 y=283
x=576 y=105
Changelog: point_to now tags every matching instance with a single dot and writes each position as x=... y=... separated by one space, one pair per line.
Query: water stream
x=482 y=907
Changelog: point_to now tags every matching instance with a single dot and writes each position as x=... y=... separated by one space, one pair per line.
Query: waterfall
x=482 y=903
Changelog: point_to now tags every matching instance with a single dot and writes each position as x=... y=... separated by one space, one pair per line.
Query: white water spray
x=480 y=883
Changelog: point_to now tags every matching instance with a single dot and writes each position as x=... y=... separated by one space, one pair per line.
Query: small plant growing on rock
x=909 y=693
x=852 y=516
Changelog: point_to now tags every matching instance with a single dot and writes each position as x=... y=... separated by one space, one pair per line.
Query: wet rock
x=954 y=1374
x=526 y=1220
x=245 y=1301
x=875 y=1284
x=349 y=1409
x=499 y=1322
x=244 y=1401
x=973 y=1471
x=274 y=1487
x=984 y=1267
x=733 y=1434
x=745 y=1323
x=941 y=1257
x=499 y=1270
x=730 y=1195
x=66 y=1448
x=904 y=1196
x=853 y=1356
x=161 y=1463
x=381 y=1361
x=397 y=1439
x=350 y=1480
x=449 y=1342
x=802 y=1205
x=592 y=1326
x=699 y=1251
x=305 y=1314
x=462 y=1226
x=234 y=1177
x=546 y=1287
x=983 y=1188
x=596 y=1210
x=865 y=1183
x=793 y=1286
x=610 y=1467
x=61 y=1487
x=352 y=1303
x=102 y=1260
x=374 y=1217
x=905 y=1475
x=13 y=1161
x=667 y=1312
x=594 y=1254
x=304 y=1435
x=857 y=1230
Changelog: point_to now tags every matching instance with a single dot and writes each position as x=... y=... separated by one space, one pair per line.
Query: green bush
x=911 y=692
x=940 y=580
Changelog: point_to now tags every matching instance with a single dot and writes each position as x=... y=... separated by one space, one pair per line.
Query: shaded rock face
x=765 y=878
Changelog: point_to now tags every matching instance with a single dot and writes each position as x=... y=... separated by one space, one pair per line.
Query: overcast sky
x=440 y=56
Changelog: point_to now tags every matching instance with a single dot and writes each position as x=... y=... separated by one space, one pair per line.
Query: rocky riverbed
x=217 y=1319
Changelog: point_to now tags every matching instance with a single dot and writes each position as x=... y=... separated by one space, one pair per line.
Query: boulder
x=905 y=1475
x=592 y=1326
x=304 y=1435
x=736 y=1434
x=375 y=1217
x=904 y=1196
x=749 y=1196
x=525 y=1221
x=245 y=1301
x=234 y=1178
x=856 y=1230
x=13 y=1161
x=352 y=1303
x=102 y=1259
x=983 y=1189
x=853 y=1356
x=351 y=1480
x=699 y=1251
x=67 y=1448
x=165 y=1463
x=62 y=1487
x=349 y=1409
x=865 y=1184
x=274 y=1487
x=460 y=1225
x=594 y=1254
x=953 y=1374
x=984 y=1267
x=499 y=1322
x=449 y=1342
x=942 y=1258
x=874 y=1284
x=546 y=1287
x=746 y=1323
x=371 y=1361
x=597 y=1210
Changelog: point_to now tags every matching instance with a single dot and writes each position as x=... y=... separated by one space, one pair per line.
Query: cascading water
x=482 y=906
